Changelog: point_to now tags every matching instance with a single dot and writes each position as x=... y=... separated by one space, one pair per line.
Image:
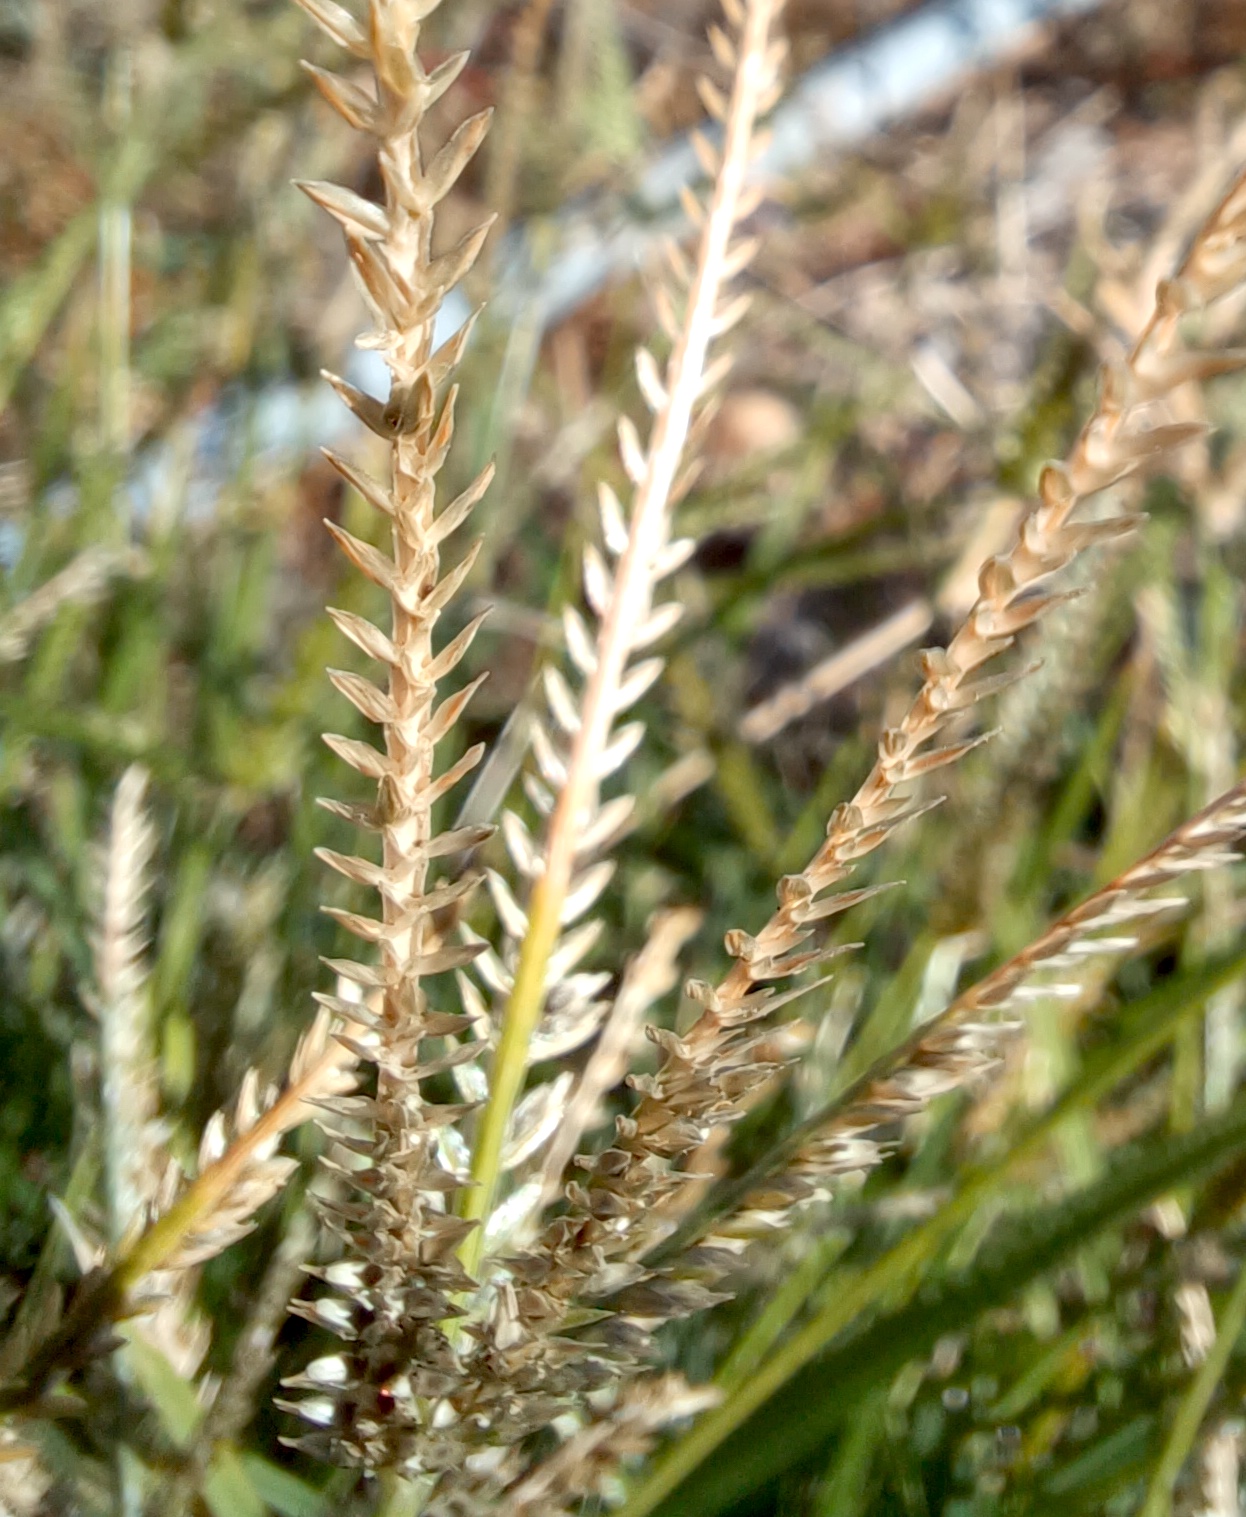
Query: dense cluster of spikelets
x=468 y=1319
x=456 y=1346
x=489 y=1282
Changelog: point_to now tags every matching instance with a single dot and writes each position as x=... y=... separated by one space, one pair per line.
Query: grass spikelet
x=138 y=1171
x=564 y=871
x=131 y=1107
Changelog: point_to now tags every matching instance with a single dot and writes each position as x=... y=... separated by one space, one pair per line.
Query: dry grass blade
x=82 y=581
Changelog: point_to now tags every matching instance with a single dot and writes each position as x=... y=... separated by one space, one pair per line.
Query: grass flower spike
x=400 y=1277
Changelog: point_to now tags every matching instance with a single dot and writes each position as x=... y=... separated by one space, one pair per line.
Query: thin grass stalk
x=1194 y=1404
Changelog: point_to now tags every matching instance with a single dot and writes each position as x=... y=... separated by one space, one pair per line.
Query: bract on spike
x=445 y=272
x=722 y=46
x=585 y=890
x=449 y=587
x=455 y=514
x=661 y=620
x=370 y=561
x=549 y=761
x=691 y=205
x=375 y=493
x=631 y=453
x=513 y=917
x=439 y=80
x=562 y=704
x=454 y=650
x=454 y=774
x=363 y=217
x=368 y=638
x=449 y=355
x=579 y=643
x=637 y=682
x=621 y=747
x=450 y=161
x=707 y=154
x=366 y=698
x=679 y=262
x=338 y=23
x=649 y=380
x=714 y=101
x=361 y=756
x=613 y=525
x=449 y=711
x=363 y=817
x=355 y=106
x=597 y=581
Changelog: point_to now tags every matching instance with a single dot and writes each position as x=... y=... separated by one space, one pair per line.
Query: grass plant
x=928 y=1196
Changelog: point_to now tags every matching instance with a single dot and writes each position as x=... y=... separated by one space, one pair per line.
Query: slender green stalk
x=1195 y=1402
x=510 y=1064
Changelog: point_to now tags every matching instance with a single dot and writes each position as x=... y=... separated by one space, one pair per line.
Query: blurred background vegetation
x=929 y=313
